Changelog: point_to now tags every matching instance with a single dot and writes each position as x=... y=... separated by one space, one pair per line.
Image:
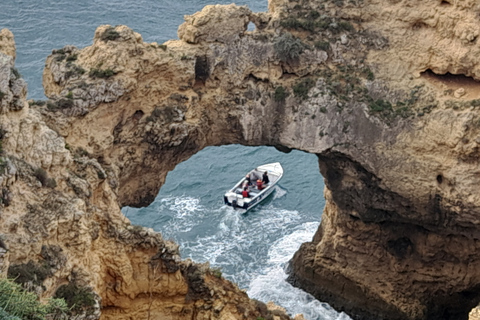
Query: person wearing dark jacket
x=265 y=179
x=248 y=179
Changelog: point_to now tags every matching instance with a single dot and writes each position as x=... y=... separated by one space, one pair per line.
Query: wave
x=271 y=284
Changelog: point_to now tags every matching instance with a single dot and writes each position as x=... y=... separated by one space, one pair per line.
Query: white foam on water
x=183 y=209
x=251 y=249
x=183 y=205
x=279 y=192
x=271 y=284
x=283 y=249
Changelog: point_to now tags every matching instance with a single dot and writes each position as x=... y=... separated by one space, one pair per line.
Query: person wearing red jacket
x=245 y=193
x=259 y=184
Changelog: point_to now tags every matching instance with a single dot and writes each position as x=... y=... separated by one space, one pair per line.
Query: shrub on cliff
x=16 y=304
x=78 y=299
x=15 y=74
x=32 y=272
x=65 y=103
x=380 y=105
x=110 y=34
x=288 y=48
x=280 y=94
x=36 y=103
x=322 y=45
x=302 y=88
x=74 y=71
x=216 y=272
x=42 y=176
x=101 y=73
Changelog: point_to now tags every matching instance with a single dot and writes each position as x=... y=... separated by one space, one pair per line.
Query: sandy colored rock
x=369 y=88
x=474 y=314
x=60 y=208
x=7 y=43
x=217 y=93
x=222 y=23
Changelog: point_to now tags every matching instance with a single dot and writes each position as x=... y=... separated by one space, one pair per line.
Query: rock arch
x=397 y=243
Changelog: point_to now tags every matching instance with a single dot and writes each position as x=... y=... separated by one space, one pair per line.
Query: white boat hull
x=234 y=196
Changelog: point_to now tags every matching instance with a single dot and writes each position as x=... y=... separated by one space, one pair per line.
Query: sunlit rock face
x=61 y=229
x=384 y=93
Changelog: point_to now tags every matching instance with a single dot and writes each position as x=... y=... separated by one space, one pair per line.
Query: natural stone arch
x=381 y=166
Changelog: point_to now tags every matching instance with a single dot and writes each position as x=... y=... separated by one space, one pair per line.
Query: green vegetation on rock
x=101 y=73
x=15 y=73
x=16 y=304
x=302 y=88
x=280 y=94
x=42 y=176
x=32 y=272
x=78 y=299
x=288 y=48
x=110 y=34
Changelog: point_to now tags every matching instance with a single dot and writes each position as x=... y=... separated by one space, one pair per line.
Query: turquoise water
x=40 y=26
x=251 y=249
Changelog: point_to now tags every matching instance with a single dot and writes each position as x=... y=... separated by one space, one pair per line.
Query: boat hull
x=234 y=197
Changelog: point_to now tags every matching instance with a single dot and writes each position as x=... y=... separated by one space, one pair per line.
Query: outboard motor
x=234 y=204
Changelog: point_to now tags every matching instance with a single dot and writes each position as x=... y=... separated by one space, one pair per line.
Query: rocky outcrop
x=62 y=232
x=385 y=94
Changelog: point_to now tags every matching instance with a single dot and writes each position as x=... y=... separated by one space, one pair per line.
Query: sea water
x=251 y=249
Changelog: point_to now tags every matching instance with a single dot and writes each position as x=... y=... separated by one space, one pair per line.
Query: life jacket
x=259 y=184
x=245 y=193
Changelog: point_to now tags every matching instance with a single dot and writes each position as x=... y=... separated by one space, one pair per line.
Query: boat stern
x=235 y=200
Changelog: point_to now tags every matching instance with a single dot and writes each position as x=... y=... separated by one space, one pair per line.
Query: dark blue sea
x=251 y=249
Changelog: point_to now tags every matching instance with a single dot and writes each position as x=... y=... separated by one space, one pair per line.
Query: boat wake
x=252 y=249
x=279 y=192
x=271 y=284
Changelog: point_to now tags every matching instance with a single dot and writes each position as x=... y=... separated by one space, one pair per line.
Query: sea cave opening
x=466 y=87
x=250 y=249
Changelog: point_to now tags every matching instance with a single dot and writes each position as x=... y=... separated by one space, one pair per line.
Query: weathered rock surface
x=61 y=224
x=384 y=93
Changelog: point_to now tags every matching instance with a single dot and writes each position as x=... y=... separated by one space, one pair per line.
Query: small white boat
x=234 y=196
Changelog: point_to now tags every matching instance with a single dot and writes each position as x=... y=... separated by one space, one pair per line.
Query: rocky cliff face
x=384 y=93
x=62 y=232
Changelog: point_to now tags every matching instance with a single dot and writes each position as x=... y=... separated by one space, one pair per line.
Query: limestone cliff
x=62 y=232
x=384 y=93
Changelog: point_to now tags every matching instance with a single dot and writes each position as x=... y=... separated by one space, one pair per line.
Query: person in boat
x=259 y=184
x=245 y=193
x=248 y=179
x=265 y=178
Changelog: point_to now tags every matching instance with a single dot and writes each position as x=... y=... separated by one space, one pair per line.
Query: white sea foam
x=186 y=211
x=183 y=205
x=271 y=284
x=279 y=192
x=283 y=249
x=251 y=249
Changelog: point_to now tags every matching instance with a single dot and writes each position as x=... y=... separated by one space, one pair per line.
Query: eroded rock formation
x=62 y=232
x=385 y=93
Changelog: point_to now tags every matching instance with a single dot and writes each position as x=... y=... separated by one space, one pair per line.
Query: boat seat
x=254 y=176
